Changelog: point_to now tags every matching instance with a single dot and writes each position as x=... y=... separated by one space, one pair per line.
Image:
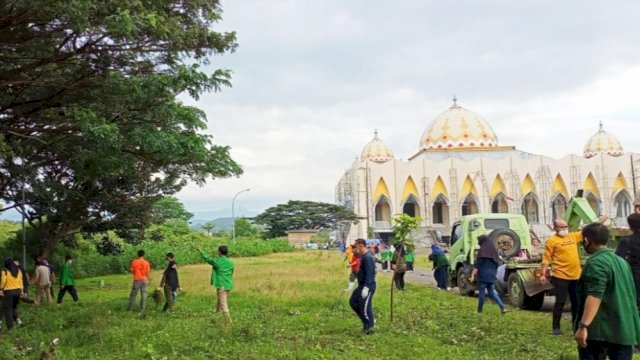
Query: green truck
x=510 y=234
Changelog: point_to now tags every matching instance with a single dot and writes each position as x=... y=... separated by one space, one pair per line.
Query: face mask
x=585 y=245
x=563 y=232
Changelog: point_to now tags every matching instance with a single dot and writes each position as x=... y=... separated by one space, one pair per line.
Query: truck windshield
x=496 y=224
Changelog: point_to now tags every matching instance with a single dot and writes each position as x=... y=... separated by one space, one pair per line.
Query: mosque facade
x=460 y=169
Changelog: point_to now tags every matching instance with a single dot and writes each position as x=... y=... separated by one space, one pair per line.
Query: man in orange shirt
x=140 y=269
x=561 y=251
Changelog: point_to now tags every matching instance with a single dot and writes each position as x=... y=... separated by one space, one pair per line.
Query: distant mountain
x=219 y=224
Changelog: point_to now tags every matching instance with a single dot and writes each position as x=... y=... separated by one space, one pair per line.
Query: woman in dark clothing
x=399 y=266
x=440 y=266
x=485 y=270
x=11 y=289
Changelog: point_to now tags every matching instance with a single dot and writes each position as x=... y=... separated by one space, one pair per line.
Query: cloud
x=313 y=79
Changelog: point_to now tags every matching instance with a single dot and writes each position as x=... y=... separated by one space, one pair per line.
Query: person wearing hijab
x=11 y=289
x=484 y=270
x=440 y=266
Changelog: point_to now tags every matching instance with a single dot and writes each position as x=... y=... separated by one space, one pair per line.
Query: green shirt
x=222 y=272
x=439 y=260
x=607 y=277
x=66 y=277
x=385 y=255
x=410 y=256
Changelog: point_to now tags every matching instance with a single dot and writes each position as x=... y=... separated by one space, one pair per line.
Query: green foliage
x=91 y=127
x=321 y=237
x=303 y=215
x=403 y=225
x=208 y=227
x=169 y=208
x=245 y=228
x=280 y=316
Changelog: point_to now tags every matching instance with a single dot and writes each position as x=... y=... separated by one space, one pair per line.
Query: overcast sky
x=314 y=78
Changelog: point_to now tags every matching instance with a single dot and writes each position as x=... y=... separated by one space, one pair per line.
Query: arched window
x=622 y=205
x=411 y=207
x=383 y=210
x=470 y=205
x=558 y=207
x=530 y=208
x=440 y=211
x=499 y=204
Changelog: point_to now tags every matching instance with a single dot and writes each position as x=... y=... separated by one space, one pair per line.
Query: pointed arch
x=618 y=184
x=410 y=188
x=559 y=187
x=499 y=203
x=621 y=206
x=411 y=207
x=468 y=187
x=530 y=208
x=558 y=206
x=528 y=186
x=470 y=205
x=590 y=185
x=440 y=210
x=381 y=190
x=498 y=187
x=439 y=189
x=382 y=210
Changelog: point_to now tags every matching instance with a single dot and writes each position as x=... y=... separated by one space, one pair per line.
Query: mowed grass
x=285 y=306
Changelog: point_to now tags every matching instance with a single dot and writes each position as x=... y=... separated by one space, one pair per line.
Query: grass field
x=285 y=306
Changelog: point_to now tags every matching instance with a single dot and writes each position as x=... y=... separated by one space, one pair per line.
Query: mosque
x=460 y=168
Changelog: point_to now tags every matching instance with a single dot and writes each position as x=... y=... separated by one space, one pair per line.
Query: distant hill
x=223 y=223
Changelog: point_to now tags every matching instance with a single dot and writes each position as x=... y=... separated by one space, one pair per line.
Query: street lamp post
x=233 y=214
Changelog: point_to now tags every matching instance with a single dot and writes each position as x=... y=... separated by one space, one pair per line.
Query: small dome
x=376 y=150
x=458 y=128
x=602 y=142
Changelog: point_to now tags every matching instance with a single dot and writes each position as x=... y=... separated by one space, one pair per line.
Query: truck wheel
x=519 y=299
x=506 y=241
x=464 y=286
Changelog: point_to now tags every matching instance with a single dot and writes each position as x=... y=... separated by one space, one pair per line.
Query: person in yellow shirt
x=561 y=251
x=11 y=289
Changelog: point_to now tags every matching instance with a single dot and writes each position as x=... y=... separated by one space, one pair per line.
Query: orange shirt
x=349 y=252
x=140 y=269
x=562 y=253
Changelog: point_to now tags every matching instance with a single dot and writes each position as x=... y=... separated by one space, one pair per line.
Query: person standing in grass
x=399 y=266
x=221 y=276
x=170 y=282
x=607 y=322
x=440 y=266
x=67 y=282
x=410 y=257
x=42 y=281
x=354 y=264
x=11 y=290
x=140 y=269
x=485 y=270
x=361 y=300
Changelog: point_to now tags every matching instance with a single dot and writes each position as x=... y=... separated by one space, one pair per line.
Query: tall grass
x=284 y=306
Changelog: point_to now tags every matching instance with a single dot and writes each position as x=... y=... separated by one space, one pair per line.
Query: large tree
x=169 y=207
x=90 y=128
x=308 y=215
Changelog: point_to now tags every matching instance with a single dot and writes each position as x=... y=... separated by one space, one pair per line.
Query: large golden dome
x=376 y=150
x=602 y=142
x=458 y=128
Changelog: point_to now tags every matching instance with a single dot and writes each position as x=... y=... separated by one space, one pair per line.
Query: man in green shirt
x=221 y=276
x=608 y=322
x=67 y=282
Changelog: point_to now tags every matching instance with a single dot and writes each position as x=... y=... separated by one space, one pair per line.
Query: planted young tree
x=307 y=215
x=90 y=128
x=403 y=225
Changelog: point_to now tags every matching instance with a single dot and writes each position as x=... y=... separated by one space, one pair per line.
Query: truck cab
x=509 y=233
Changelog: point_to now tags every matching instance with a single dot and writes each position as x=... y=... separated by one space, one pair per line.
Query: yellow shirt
x=9 y=282
x=562 y=253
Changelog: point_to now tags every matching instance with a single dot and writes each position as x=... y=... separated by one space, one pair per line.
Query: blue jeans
x=363 y=307
x=484 y=286
x=599 y=350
